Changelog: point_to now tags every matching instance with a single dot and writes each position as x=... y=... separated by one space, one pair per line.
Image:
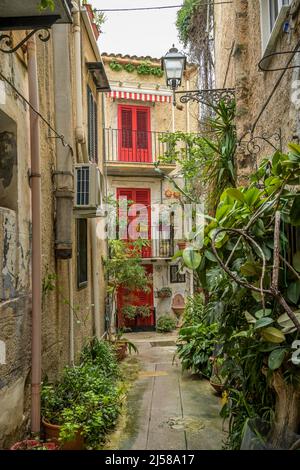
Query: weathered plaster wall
x=15 y=244
x=15 y=253
x=240 y=22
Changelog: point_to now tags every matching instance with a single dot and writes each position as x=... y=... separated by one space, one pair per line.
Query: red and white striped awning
x=139 y=96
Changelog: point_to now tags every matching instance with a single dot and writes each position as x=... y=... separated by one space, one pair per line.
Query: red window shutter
x=126 y=126
x=142 y=127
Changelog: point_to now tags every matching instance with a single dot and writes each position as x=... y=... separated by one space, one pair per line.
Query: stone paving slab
x=168 y=410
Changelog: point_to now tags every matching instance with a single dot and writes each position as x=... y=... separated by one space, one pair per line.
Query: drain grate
x=162 y=344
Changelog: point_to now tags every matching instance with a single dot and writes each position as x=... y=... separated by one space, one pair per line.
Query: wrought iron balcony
x=161 y=245
x=133 y=151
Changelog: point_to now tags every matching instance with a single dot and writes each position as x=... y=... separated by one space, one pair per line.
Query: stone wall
x=15 y=252
x=254 y=87
x=59 y=288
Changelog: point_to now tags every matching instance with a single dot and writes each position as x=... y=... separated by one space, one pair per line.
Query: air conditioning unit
x=88 y=190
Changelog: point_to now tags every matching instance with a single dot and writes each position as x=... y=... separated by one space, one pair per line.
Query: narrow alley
x=168 y=409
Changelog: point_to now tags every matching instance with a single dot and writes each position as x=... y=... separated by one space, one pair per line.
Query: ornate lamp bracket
x=253 y=144
x=6 y=44
x=207 y=97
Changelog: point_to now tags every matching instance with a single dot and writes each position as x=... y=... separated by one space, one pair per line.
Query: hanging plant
x=144 y=68
x=129 y=68
x=143 y=311
x=157 y=72
x=115 y=66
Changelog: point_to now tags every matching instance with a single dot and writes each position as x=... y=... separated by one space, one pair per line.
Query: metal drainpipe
x=71 y=313
x=36 y=238
x=188 y=108
x=79 y=131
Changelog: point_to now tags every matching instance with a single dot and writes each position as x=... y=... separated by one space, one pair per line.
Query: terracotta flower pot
x=181 y=244
x=52 y=432
x=31 y=444
x=121 y=350
x=217 y=386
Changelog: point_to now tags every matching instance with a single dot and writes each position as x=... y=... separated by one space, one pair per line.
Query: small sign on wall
x=2 y=353
x=2 y=92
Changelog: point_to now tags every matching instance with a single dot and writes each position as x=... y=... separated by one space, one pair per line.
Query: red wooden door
x=137 y=298
x=134 y=134
x=137 y=224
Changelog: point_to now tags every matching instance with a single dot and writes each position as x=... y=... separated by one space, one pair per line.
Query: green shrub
x=194 y=310
x=87 y=398
x=101 y=353
x=165 y=323
x=196 y=345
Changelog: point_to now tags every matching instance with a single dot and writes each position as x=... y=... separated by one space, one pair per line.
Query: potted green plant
x=217 y=380
x=165 y=324
x=84 y=404
x=129 y=312
x=122 y=344
x=164 y=292
x=143 y=311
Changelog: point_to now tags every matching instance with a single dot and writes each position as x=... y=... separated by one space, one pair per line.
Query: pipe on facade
x=79 y=130
x=71 y=313
x=35 y=178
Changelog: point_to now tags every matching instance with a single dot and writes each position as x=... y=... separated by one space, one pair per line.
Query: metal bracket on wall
x=6 y=40
x=267 y=57
x=253 y=144
x=208 y=97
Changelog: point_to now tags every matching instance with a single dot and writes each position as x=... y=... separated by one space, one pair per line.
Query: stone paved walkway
x=167 y=409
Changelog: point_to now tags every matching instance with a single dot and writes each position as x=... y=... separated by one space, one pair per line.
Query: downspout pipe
x=35 y=178
x=79 y=130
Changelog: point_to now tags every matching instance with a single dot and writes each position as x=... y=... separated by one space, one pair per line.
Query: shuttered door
x=142 y=225
x=143 y=197
x=137 y=298
x=143 y=135
x=134 y=134
x=126 y=135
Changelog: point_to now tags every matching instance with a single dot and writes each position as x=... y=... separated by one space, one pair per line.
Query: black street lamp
x=25 y=15
x=174 y=64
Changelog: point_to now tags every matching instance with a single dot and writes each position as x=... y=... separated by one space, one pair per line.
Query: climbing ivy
x=144 y=68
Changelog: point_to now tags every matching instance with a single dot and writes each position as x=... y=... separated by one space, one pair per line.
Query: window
x=175 y=275
x=273 y=14
x=134 y=134
x=92 y=126
x=82 y=265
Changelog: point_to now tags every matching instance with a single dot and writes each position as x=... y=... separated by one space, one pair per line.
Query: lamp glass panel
x=174 y=68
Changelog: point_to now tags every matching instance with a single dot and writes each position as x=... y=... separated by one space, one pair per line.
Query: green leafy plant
x=251 y=277
x=129 y=312
x=129 y=67
x=46 y=4
x=87 y=398
x=123 y=268
x=115 y=66
x=164 y=292
x=196 y=345
x=199 y=158
x=99 y=18
x=118 y=337
x=165 y=324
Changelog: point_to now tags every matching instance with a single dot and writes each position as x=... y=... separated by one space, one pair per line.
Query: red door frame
x=134 y=154
x=138 y=322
